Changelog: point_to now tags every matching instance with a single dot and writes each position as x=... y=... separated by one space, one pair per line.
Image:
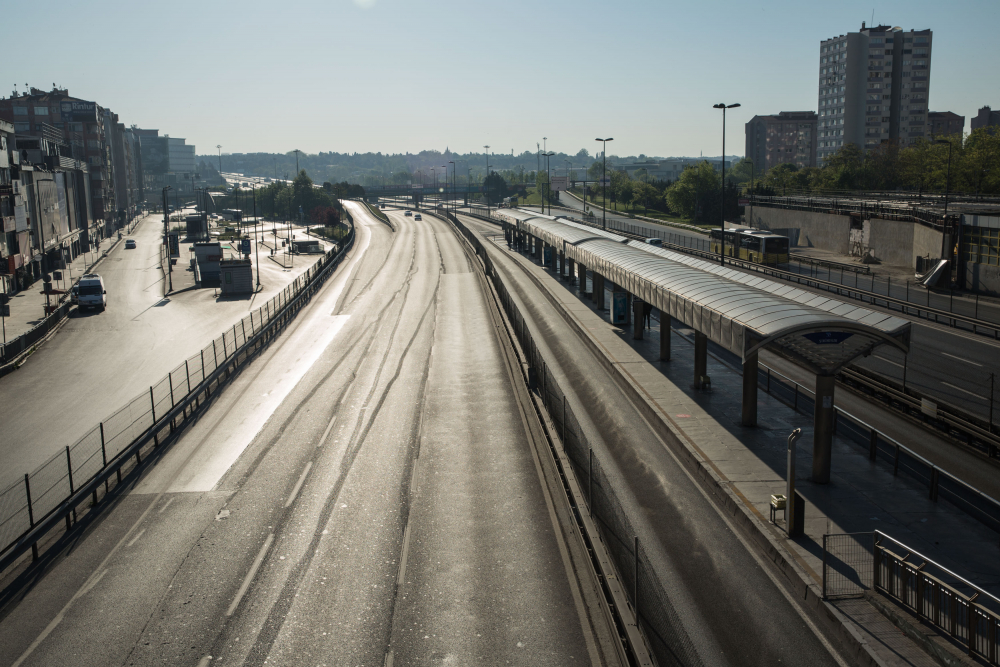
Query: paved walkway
x=862 y=496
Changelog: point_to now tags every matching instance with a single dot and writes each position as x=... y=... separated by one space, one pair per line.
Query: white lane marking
x=413 y=478
x=326 y=433
x=136 y=538
x=165 y=505
x=87 y=585
x=250 y=575
x=403 y=555
x=298 y=485
x=388 y=659
x=888 y=361
x=965 y=391
x=95 y=581
x=961 y=359
x=204 y=662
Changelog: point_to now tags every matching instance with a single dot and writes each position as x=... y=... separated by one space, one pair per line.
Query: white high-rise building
x=873 y=87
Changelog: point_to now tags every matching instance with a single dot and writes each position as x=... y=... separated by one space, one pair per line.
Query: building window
x=20 y=111
x=22 y=127
x=76 y=127
x=41 y=111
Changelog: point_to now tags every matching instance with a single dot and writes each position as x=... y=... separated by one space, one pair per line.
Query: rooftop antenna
x=873 y=16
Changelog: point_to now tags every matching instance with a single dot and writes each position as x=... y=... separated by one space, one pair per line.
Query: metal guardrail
x=857 y=562
x=889 y=452
x=632 y=582
x=51 y=493
x=18 y=346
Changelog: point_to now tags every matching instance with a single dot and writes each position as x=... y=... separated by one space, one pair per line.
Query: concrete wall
x=890 y=241
x=926 y=241
x=982 y=278
x=806 y=229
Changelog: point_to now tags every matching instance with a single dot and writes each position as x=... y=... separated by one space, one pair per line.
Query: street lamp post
x=486 y=190
x=256 y=241
x=219 y=147
x=604 y=182
x=548 y=183
x=454 y=186
x=947 y=184
x=166 y=240
x=751 y=190
x=722 y=245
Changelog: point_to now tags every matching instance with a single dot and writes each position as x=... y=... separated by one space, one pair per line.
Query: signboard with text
x=78 y=110
x=560 y=183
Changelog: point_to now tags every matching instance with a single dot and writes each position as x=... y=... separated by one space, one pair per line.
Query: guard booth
x=207 y=258
x=236 y=276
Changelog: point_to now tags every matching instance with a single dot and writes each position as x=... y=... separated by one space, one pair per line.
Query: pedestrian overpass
x=740 y=312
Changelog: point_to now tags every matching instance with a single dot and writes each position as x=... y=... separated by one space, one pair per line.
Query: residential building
x=944 y=123
x=873 y=88
x=788 y=137
x=166 y=161
x=57 y=201
x=985 y=118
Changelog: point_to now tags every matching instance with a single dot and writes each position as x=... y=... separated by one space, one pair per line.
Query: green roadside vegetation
x=335 y=233
x=377 y=212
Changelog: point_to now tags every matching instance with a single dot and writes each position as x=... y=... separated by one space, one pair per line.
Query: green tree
x=496 y=187
x=696 y=193
x=583 y=154
x=645 y=195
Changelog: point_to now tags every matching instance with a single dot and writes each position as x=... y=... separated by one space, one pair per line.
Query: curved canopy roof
x=739 y=311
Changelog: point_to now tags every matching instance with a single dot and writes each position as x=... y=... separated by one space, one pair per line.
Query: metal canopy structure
x=741 y=312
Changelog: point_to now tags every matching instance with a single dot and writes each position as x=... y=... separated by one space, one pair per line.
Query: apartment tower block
x=873 y=87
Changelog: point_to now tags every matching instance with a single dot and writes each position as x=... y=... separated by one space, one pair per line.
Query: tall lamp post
x=722 y=214
x=947 y=184
x=548 y=183
x=486 y=190
x=751 y=190
x=604 y=182
x=454 y=186
x=166 y=240
x=256 y=241
x=219 y=147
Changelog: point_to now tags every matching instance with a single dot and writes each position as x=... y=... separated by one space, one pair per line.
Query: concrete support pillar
x=599 y=290
x=562 y=264
x=749 y=413
x=570 y=270
x=700 y=358
x=664 y=336
x=637 y=323
x=582 y=272
x=823 y=415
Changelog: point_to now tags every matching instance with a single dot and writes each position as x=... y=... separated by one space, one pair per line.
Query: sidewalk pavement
x=27 y=307
x=861 y=497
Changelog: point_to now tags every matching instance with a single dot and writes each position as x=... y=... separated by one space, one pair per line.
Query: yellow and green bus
x=752 y=245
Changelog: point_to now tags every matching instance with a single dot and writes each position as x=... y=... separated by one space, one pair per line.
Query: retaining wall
x=806 y=229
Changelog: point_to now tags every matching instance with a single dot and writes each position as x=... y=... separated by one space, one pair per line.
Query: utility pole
x=486 y=189
x=722 y=208
x=220 y=159
x=256 y=241
x=604 y=182
x=166 y=241
x=297 y=151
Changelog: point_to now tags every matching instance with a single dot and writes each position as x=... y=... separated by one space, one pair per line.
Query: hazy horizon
x=394 y=77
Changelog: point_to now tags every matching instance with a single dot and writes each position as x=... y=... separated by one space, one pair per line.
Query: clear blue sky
x=397 y=76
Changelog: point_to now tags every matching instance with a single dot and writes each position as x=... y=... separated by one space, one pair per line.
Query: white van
x=91 y=292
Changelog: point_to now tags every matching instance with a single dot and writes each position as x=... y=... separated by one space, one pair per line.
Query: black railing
x=31 y=506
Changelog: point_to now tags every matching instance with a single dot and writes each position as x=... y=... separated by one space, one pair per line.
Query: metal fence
x=887 y=451
x=53 y=487
x=858 y=562
x=645 y=592
x=14 y=348
x=847 y=564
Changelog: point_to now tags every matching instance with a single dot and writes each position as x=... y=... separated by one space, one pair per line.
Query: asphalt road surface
x=362 y=494
x=725 y=608
x=98 y=361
